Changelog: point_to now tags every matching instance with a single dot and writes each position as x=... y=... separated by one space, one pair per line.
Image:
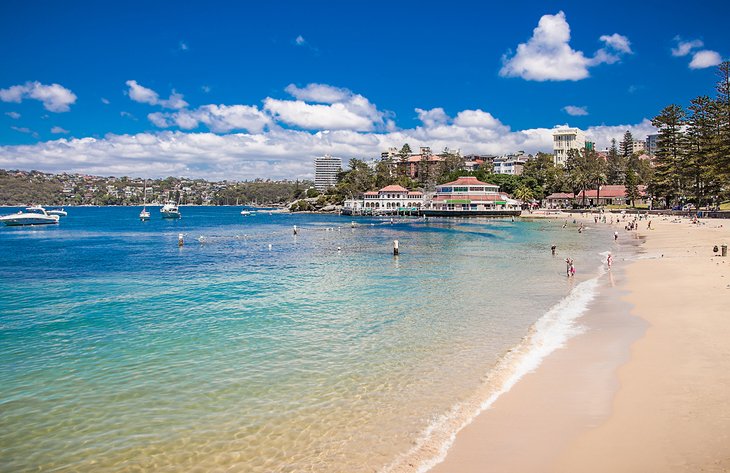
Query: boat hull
x=171 y=215
x=20 y=222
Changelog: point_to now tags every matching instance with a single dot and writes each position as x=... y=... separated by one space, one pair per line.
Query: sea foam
x=546 y=335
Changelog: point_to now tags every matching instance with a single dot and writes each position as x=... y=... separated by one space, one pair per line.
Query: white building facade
x=566 y=139
x=388 y=199
x=326 y=169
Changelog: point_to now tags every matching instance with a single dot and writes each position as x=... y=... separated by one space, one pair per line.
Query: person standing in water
x=552 y=248
x=609 y=261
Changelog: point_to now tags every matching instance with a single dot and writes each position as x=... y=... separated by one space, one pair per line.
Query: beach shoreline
x=611 y=399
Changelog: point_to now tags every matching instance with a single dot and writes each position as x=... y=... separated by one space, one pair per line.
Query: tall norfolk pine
x=669 y=169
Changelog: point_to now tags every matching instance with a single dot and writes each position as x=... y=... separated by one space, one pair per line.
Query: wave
x=546 y=335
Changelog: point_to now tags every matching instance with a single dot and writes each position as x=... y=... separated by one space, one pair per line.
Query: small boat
x=246 y=213
x=59 y=212
x=170 y=210
x=144 y=214
x=35 y=215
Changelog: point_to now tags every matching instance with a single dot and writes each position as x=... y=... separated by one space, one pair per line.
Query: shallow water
x=122 y=352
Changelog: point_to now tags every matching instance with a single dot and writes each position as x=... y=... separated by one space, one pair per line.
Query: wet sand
x=646 y=387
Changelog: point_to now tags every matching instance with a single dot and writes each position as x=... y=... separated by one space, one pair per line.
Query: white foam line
x=546 y=335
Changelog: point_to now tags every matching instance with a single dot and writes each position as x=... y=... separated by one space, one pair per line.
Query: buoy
x=180 y=241
x=295 y=230
x=395 y=247
x=352 y=225
x=339 y=249
x=269 y=246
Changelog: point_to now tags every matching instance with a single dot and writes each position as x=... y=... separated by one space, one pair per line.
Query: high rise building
x=326 y=169
x=566 y=139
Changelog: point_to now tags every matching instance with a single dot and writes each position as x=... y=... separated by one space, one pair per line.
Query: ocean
x=253 y=349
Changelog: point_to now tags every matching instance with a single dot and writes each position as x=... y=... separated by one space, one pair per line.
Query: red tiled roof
x=610 y=192
x=419 y=157
x=560 y=195
x=371 y=193
x=415 y=193
x=393 y=188
x=467 y=181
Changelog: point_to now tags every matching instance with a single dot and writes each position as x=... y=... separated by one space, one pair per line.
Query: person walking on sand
x=568 y=265
x=552 y=248
x=615 y=236
x=649 y=226
x=609 y=261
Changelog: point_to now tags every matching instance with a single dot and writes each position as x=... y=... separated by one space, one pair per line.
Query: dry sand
x=645 y=389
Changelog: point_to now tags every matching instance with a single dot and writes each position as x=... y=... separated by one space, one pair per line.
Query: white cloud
x=105 y=101
x=575 y=111
x=58 y=130
x=547 y=55
x=127 y=115
x=183 y=46
x=55 y=97
x=205 y=88
x=219 y=118
x=13 y=115
x=142 y=94
x=344 y=110
x=21 y=129
x=432 y=118
x=705 y=58
x=684 y=47
x=300 y=40
x=320 y=93
x=618 y=42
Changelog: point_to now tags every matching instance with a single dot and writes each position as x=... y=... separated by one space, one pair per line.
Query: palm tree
x=600 y=179
x=523 y=193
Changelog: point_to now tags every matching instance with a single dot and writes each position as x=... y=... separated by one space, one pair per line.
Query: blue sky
x=218 y=89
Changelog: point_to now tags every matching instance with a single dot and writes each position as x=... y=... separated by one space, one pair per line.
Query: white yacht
x=35 y=215
x=59 y=212
x=170 y=210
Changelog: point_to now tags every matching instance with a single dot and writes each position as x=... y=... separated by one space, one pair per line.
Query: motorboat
x=170 y=210
x=246 y=213
x=35 y=215
x=144 y=214
x=59 y=212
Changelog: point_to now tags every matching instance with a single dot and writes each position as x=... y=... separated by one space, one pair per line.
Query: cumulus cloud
x=299 y=40
x=183 y=46
x=701 y=59
x=547 y=55
x=219 y=118
x=575 y=111
x=55 y=97
x=684 y=47
x=13 y=115
x=705 y=58
x=105 y=101
x=432 y=118
x=320 y=93
x=142 y=94
x=617 y=42
x=58 y=130
x=337 y=109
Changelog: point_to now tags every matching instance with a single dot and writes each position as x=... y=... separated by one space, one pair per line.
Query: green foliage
x=312 y=192
x=35 y=189
x=259 y=191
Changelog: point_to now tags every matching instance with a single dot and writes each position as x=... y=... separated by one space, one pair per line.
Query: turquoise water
x=123 y=352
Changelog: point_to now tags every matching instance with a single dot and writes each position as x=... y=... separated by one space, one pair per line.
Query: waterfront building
x=567 y=139
x=326 y=169
x=609 y=195
x=389 y=199
x=559 y=200
x=468 y=196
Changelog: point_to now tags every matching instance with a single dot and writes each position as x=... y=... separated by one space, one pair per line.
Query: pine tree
x=669 y=170
x=722 y=111
x=701 y=146
x=616 y=167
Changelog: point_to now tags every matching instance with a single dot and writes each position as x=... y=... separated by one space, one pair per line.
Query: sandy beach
x=646 y=387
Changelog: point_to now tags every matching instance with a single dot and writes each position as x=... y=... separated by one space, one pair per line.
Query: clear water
x=121 y=351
